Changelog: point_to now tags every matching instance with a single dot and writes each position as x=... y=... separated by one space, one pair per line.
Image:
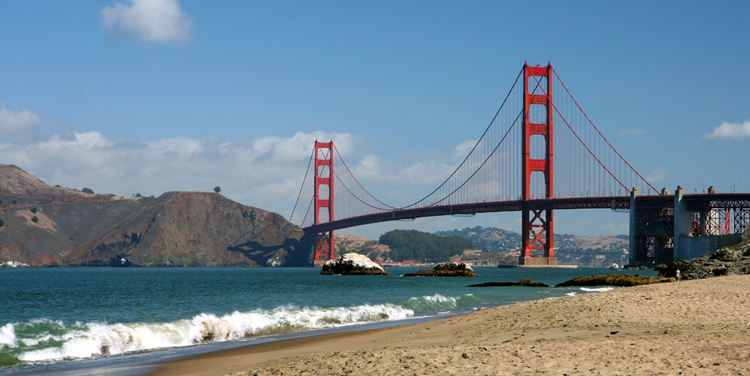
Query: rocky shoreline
x=734 y=260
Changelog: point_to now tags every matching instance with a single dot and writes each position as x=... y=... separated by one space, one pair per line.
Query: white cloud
x=148 y=20
x=265 y=172
x=613 y=228
x=657 y=175
x=730 y=130
x=633 y=132
x=369 y=167
x=463 y=149
x=14 y=123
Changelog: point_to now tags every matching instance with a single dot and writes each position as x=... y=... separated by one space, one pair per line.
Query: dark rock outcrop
x=734 y=260
x=352 y=264
x=522 y=283
x=448 y=269
x=639 y=267
x=19 y=253
x=614 y=280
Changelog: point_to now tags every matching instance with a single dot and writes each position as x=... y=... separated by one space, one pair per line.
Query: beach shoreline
x=691 y=327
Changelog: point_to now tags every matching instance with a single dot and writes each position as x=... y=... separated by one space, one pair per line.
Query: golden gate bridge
x=539 y=153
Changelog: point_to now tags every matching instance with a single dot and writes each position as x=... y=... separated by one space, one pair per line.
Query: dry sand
x=684 y=328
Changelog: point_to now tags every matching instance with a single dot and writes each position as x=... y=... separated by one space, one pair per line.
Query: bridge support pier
x=323 y=198
x=632 y=251
x=537 y=232
x=323 y=243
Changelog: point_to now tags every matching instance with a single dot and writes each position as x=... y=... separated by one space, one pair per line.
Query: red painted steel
x=537 y=232
x=510 y=168
x=323 y=240
x=474 y=208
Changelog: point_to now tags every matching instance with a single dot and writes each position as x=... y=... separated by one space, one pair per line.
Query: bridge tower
x=537 y=120
x=323 y=200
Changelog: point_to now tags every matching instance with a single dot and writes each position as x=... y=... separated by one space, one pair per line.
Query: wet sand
x=697 y=327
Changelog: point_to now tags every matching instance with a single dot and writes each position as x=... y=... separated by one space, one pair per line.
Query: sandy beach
x=699 y=327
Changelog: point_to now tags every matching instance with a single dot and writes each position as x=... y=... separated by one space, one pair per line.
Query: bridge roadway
x=619 y=202
x=695 y=201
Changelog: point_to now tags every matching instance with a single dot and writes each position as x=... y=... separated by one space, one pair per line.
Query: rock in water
x=522 y=283
x=448 y=269
x=352 y=264
x=622 y=280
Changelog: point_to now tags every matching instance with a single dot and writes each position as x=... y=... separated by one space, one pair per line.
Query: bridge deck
x=727 y=200
x=622 y=202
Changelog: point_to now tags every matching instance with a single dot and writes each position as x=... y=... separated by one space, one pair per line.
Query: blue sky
x=151 y=96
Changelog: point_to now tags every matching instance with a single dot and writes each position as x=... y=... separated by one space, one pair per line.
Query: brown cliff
x=45 y=225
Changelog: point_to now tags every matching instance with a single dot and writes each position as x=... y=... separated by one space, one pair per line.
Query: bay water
x=66 y=319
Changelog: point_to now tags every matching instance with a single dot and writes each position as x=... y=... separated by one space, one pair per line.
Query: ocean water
x=58 y=320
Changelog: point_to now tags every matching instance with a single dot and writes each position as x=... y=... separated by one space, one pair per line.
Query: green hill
x=422 y=246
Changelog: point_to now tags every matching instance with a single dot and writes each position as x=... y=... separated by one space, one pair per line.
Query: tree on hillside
x=217 y=189
x=87 y=190
x=422 y=246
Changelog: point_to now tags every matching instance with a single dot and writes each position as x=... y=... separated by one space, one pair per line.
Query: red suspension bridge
x=540 y=153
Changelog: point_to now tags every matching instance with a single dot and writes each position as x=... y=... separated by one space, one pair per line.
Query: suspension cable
x=357 y=197
x=483 y=163
x=600 y=133
x=307 y=171
x=472 y=150
x=358 y=183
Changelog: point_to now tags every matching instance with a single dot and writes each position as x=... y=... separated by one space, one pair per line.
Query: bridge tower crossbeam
x=537 y=231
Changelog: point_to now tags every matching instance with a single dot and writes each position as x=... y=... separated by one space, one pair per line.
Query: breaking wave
x=598 y=289
x=438 y=303
x=42 y=340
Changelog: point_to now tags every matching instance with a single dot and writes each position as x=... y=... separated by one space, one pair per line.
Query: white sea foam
x=8 y=335
x=95 y=339
x=571 y=294
x=437 y=298
x=600 y=289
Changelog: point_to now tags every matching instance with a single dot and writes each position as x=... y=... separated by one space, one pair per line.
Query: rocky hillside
x=346 y=243
x=45 y=225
